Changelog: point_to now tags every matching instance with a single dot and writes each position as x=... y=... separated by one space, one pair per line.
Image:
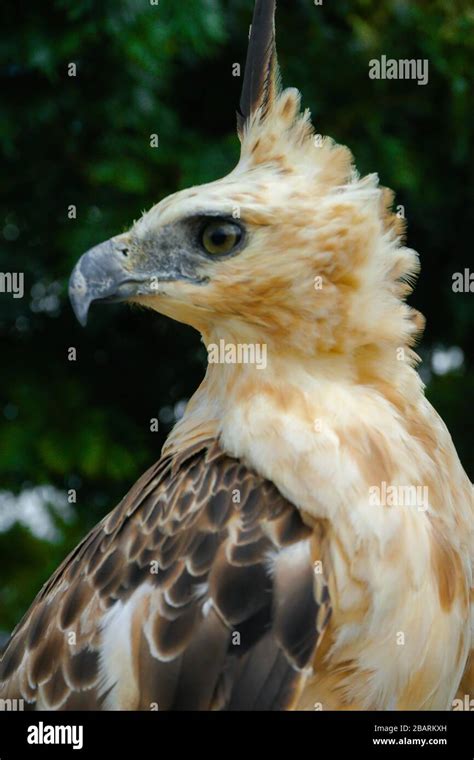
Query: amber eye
x=220 y=237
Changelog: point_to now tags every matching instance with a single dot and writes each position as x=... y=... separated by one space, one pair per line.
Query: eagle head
x=292 y=248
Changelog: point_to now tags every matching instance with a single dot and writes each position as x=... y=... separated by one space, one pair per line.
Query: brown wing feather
x=196 y=592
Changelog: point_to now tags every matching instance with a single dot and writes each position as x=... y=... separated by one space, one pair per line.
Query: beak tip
x=79 y=298
x=80 y=309
x=81 y=319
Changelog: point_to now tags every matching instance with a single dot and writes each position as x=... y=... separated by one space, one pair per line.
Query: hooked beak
x=101 y=274
x=123 y=268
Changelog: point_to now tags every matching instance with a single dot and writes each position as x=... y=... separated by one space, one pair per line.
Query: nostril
x=124 y=251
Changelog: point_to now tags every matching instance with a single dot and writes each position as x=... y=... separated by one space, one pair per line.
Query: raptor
x=250 y=568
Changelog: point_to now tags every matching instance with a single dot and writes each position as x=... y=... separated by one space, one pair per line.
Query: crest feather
x=261 y=68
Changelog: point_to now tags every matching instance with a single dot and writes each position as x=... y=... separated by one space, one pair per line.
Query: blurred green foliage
x=85 y=140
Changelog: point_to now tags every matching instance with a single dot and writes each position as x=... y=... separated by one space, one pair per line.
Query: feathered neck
x=296 y=384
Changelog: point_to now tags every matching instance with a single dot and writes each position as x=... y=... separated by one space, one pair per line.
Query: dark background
x=85 y=140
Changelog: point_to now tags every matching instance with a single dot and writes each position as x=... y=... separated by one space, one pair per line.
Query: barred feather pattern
x=179 y=599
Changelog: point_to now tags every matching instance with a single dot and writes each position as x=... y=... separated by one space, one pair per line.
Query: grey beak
x=101 y=275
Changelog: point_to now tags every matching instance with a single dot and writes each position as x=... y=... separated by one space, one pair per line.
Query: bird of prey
x=305 y=540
